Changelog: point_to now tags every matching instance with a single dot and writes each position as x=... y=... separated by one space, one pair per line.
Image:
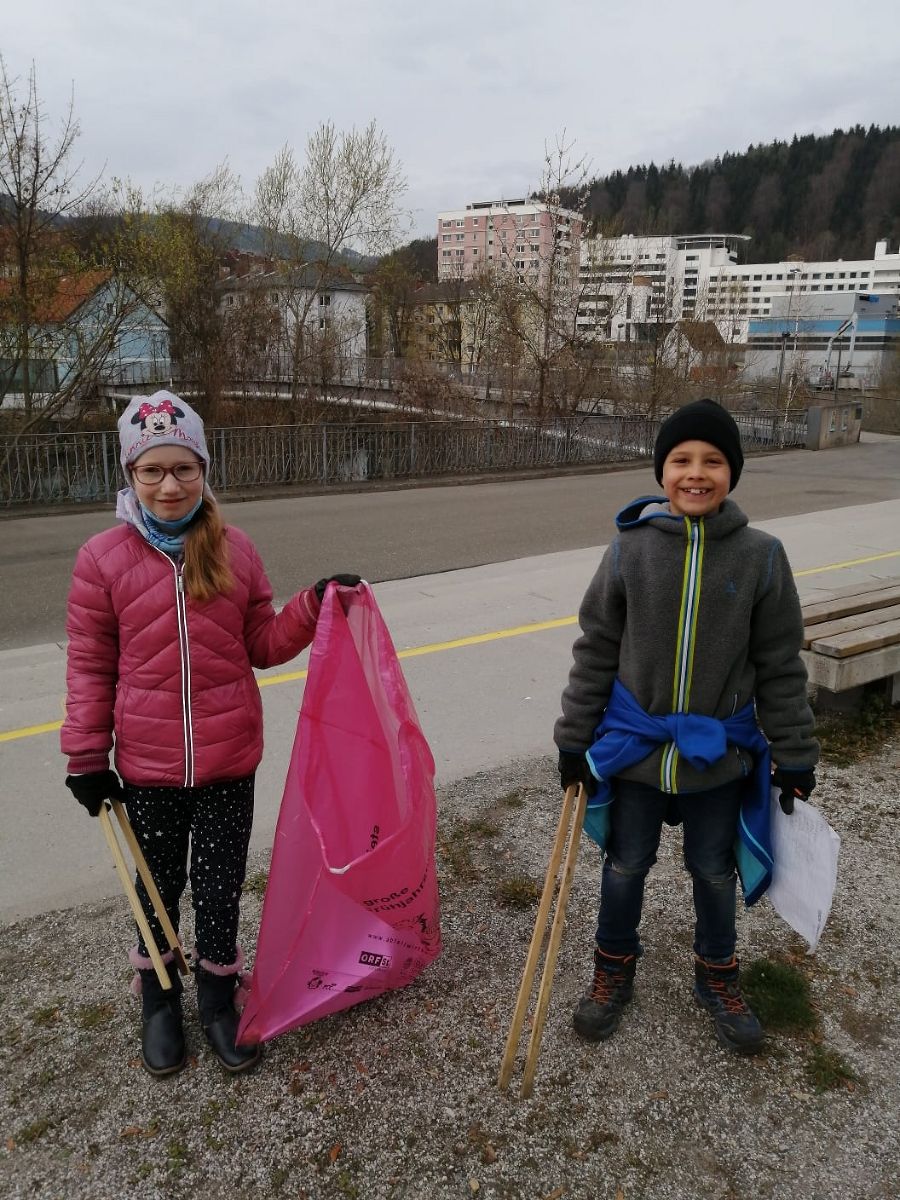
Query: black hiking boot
x=599 y=1011
x=163 y=1050
x=220 y=1020
x=717 y=988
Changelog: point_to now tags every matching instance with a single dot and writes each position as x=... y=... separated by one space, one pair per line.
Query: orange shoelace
x=605 y=986
x=729 y=994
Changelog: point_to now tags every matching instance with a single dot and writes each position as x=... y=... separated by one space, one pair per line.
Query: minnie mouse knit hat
x=159 y=420
x=702 y=421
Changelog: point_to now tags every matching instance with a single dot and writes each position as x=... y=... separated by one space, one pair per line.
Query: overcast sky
x=467 y=93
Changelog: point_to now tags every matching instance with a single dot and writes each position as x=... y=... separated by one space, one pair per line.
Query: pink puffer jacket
x=170 y=676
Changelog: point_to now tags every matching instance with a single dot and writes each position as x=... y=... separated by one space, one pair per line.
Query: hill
x=819 y=197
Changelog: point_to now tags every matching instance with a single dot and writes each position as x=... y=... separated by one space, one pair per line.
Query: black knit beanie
x=703 y=421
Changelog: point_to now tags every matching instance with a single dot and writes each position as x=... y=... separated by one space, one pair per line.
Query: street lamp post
x=793 y=274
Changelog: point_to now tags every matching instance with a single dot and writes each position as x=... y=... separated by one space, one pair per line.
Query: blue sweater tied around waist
x=627 y=734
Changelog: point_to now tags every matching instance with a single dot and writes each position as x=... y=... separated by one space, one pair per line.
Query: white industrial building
x=831 y=341
x=627 y=283
x=631 y=281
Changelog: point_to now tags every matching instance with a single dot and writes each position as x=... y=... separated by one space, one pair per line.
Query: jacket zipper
x=687 y=636
x=184 y=655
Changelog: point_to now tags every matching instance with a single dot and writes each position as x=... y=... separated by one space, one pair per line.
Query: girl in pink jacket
x=168 y=614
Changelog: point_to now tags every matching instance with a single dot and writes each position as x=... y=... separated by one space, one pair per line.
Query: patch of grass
x=779 y=995
x=209 y=1113
x=512 y=800
x=48 y=1015
x=828 y=1070
x=479 y=827
x=255 y=884
x=846 y=738
x=517 y=891
x=177 y=1155
x=89 y=1016
x=457 y=850
x=31 y=1133
x=278 y=1177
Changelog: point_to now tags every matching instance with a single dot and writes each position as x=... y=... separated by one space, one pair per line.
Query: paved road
x=422 y=531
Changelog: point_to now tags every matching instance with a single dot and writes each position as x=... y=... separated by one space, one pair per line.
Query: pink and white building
x=524 y=237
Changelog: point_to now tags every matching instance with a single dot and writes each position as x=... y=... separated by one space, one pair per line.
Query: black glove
x=343 y=580
x=573 y=768
x=95 y=787
x=793 y=781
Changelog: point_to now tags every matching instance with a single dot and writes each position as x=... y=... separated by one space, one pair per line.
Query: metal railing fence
x=52 y=468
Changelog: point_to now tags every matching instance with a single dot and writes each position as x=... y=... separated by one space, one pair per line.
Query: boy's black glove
x=343 y=580
x=92 y=789
x=573 y=768
x=793 y=781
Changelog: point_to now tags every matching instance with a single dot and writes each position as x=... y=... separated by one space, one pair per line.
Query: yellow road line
x=477 y=639
x=851 y=562
x=12 y=735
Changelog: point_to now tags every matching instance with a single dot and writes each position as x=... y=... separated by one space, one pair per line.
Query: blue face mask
x=168 y=535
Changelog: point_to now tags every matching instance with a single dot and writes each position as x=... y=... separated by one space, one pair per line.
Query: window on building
x=446 y=237
x=324 y=300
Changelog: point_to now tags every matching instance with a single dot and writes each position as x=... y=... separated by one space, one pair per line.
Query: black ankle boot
x=599 y=1011
x=215 y=999
x=717 y=988
x=163 y=1050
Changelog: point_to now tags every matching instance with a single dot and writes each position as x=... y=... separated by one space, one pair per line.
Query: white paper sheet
x=806 y=854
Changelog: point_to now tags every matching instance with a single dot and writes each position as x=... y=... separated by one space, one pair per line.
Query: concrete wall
x=833 y=425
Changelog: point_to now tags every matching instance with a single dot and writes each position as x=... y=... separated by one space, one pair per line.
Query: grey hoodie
x=692 y=615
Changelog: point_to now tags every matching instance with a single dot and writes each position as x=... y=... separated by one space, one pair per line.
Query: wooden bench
x=852 y=636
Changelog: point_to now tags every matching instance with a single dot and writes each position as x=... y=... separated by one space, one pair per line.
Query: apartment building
x=524 y=238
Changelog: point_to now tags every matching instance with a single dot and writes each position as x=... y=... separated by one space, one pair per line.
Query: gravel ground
x=398 y=1097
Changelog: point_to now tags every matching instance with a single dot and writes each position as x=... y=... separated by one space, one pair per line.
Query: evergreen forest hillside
x=818 y=197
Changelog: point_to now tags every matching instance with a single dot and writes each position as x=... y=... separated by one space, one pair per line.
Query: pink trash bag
x=351 y=906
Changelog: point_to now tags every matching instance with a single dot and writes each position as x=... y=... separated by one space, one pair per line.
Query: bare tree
x=38 y=186
x=342 y=197
x=538 y=297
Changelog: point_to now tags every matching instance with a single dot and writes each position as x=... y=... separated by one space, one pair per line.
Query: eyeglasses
x=184 y=472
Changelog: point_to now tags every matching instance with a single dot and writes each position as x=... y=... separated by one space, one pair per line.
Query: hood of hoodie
x=654 y=510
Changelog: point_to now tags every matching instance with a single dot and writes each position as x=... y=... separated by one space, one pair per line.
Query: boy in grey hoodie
x=686 y=685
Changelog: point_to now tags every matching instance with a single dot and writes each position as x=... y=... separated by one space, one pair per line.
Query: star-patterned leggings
x=215 y=820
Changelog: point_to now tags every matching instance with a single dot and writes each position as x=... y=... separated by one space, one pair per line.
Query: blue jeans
x=710 y=821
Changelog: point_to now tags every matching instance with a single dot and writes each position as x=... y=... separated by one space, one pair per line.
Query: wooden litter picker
x=571 y=820
x=152 y=891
